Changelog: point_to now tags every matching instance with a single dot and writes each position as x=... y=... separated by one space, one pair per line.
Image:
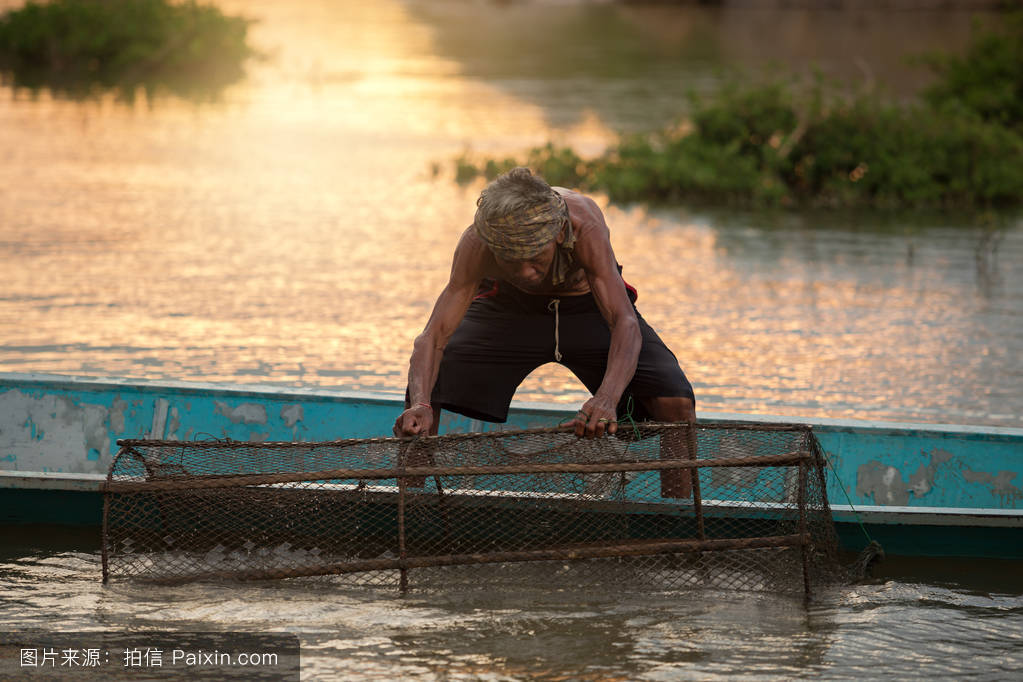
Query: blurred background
x=294 y=226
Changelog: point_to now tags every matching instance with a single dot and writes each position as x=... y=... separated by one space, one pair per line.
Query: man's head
x=521 y=218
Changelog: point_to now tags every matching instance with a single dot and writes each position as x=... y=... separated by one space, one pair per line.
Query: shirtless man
x=534 y=280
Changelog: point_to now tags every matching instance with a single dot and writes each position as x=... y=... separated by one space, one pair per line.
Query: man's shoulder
x=471 y=244
x=472 y=254
x=587 y=218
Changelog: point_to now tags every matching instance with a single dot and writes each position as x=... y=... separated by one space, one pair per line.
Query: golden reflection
x=295 y=234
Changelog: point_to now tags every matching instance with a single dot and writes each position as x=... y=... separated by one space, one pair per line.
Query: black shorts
x=507 y=333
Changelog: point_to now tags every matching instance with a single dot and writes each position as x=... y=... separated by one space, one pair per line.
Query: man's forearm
x=423 y=368
x=622 y=357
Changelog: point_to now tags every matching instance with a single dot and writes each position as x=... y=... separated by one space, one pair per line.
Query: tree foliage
x=786 y=143
x=77 y=46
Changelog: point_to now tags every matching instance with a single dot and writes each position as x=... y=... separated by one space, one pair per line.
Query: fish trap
x=655 y=506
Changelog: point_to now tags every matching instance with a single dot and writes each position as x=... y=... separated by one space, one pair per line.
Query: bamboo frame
x=232 y=481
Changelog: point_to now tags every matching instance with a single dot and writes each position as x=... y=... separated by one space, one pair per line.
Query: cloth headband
x=523 y=234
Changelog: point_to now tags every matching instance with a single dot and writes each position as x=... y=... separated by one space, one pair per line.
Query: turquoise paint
x=195 y=412
x=938 y=459
x=935 y=466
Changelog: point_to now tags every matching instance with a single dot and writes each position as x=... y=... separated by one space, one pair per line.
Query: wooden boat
x=918 y=489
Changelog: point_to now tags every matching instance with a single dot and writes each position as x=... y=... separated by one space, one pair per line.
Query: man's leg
x=674 y=409
x=679 y=444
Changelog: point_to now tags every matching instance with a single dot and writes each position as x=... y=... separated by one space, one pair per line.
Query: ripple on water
x=548 y=625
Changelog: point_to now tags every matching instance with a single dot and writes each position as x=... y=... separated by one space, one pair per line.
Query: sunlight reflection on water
x=295 y=234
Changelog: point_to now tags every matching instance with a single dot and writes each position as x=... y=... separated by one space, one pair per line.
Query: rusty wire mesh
x=624 y=509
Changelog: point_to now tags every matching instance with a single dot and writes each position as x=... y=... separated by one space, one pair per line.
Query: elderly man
x=534 y=280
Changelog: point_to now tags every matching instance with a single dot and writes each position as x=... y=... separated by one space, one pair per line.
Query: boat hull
x=918 y=489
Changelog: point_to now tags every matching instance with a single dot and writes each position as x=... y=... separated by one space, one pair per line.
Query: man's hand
x=595 y=418
x=414 y=421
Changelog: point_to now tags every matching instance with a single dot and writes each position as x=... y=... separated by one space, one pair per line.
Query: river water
x=297 y=231
x=913 y=620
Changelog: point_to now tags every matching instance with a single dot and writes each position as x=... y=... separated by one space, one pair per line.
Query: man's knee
x=670 y=408
x=675 y=443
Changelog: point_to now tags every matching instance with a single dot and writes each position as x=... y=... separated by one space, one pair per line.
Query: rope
x=629 y=405
x=873 y=551
x=871 y=541
x=554 y=305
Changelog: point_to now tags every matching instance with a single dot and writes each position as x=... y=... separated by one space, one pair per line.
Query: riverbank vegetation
x=77 y=47
x=786 y=143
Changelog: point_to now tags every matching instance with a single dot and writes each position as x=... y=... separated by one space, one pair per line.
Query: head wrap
x=524 y=234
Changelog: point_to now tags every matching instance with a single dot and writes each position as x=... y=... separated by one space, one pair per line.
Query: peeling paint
x=246 y=413
x=1001 y=485
x=738 y=478
x=940 y=456
x=117 y=410
x=52 y=432
x=175 y=424
x=881 y=482
x=292 y=414
x=920 y=482
x=159 y=427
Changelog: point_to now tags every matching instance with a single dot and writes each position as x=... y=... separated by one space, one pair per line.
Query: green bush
x=77 y=45
x=916 y=156
x=987 y=80
x=777 y=143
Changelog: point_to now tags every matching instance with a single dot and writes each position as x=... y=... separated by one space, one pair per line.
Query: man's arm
x=598 y=260
x=428 y=349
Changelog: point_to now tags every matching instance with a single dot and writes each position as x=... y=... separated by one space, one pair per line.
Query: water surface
x=913 y=620
x=297 y=232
